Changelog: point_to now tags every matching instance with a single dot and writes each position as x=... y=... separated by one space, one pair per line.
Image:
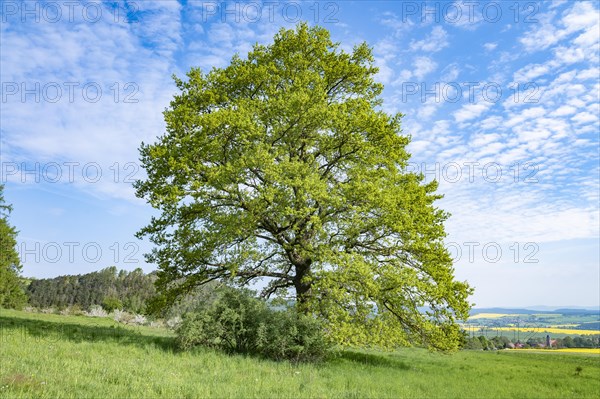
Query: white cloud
x=399 y=25
x=530 y=72
x=423 y=66
x=564 y=110
x=221 y=33
x=385 y=51
x=591 y=73
x=467 y=20
x=491 y=123
x=404 y=76
x=385 y=73
x=527 y=114
x=588 y=38
x=552 y=125
x=557 y=3
x=450 y=73
x=130 y=63
x=471 y=111
x=584 y=117
x=437 y=40
x=386 y=48
x=567 y=55
x=482 y=139
x=426 y=111
x=490 y=46
x=581 y=16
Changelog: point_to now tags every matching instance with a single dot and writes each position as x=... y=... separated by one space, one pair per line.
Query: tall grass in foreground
x=52 y=356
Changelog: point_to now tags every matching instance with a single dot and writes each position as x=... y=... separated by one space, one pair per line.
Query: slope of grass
x=50 y=356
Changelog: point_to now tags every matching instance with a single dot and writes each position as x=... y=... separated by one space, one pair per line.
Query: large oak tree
x=282 y=166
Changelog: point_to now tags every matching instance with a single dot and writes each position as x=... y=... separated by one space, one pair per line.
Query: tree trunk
x=302 y=287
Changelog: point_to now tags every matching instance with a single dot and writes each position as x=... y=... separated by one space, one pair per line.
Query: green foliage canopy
x=283 y=166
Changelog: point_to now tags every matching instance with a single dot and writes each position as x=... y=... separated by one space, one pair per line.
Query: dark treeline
x=592 y=325
x=108 y=288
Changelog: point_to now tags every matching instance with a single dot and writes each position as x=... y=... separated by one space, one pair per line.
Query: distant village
x=483 y=342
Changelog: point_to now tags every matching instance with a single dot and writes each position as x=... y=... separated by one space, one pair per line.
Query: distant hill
x=554 y=308
x=577 y=311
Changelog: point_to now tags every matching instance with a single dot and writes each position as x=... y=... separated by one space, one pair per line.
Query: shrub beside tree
x=111 y=303
x=238 y=322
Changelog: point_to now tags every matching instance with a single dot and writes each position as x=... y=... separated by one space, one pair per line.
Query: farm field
x=547 y=330
x=524 y=333
x=52 y=356
x=587 y=351
x=533 y=325
x=489 y=316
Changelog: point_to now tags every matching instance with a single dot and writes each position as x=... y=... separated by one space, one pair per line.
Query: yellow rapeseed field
x=549 y=330
x=593 y=351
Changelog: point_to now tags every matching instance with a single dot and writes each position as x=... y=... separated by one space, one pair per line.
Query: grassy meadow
x=53 y=356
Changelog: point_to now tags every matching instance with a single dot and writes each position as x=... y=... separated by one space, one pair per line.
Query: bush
x=473 y=343
x=139 y=319
x=120 y=316
x=76 y=310
x=96 y=311
x=237 y=322
x=111 y=303
x=287 y=335
x=174 y=322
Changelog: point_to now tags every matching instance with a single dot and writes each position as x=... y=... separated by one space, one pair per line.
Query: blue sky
x=501 y=100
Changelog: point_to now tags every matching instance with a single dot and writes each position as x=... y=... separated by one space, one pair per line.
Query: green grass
x=52 y=356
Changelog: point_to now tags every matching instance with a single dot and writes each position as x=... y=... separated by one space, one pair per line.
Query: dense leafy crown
x=282 y=166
